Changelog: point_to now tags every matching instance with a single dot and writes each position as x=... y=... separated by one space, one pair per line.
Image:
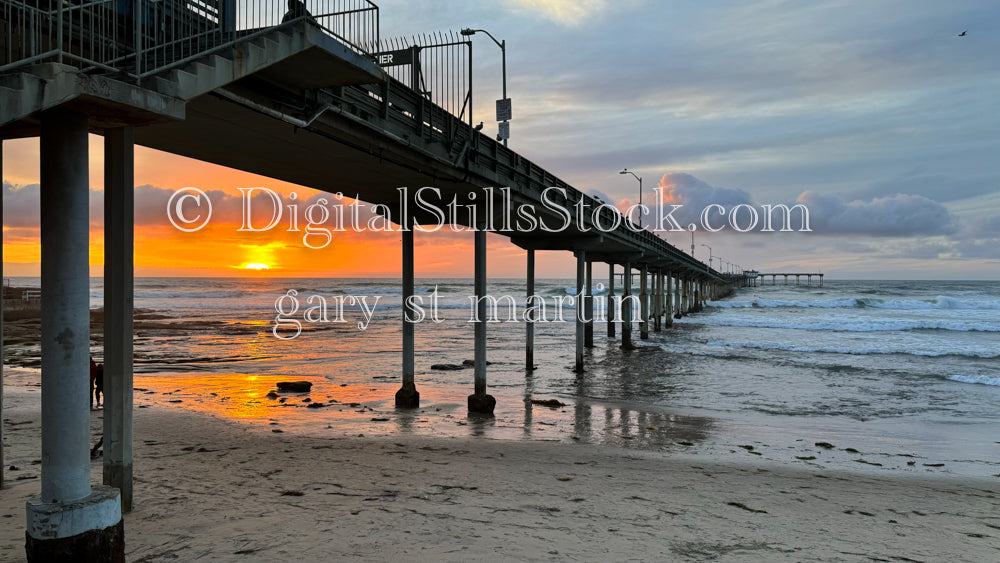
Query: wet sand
x=214 y=488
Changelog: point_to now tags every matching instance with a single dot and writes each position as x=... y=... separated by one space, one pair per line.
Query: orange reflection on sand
x=236 y=395
x=245 y=396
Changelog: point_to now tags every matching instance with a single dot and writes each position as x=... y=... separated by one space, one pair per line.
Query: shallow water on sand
x=898 y=371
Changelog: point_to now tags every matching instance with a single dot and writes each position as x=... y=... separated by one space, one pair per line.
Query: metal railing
x=406 y=111
x=437 y=66
x=139 y=38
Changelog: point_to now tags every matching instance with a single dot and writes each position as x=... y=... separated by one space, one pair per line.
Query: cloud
x=20 y=206
x=695 y=195
x=895 y=216
x=984 y=228
x=565 y=12
x=936 y=186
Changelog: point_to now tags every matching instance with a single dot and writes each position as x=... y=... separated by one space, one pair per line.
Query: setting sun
x=256 y=266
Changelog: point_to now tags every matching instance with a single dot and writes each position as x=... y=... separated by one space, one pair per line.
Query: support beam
x=644 y=302
x=119 y=218
x=529 y=325
x=480 y=402
x=69 y=517
x=627 y=308
x=581 y=260
x=588 y=329
x=407 y=397
x=610 y=307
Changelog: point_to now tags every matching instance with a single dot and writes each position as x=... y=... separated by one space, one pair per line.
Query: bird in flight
x=962 y=34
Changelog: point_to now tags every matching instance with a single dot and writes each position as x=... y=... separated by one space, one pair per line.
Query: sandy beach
x=215 y=489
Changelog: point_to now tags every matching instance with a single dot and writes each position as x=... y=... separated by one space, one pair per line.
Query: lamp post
x=627 y=171
x=468 y=32
x=709 y=247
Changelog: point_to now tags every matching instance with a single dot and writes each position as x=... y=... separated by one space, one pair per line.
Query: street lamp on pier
x=505 y=102
x=627 y=171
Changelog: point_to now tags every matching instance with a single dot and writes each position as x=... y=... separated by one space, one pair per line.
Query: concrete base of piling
x=408 y=397
x=482 y=404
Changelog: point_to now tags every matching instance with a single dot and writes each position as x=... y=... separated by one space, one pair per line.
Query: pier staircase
x=296 y=55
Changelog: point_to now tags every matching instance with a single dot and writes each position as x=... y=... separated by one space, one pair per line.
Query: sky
x=876 y=116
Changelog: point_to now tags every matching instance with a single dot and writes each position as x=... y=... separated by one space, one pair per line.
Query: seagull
x=962 y=34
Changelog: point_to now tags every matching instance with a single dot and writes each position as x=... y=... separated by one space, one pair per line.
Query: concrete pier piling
x=581 y=312
x=118 y=304
x=480 y=402
x=626 y=308
x=610 y=302
x=588 y=330
x=69 y=517
x=407 y=396
x=644 y=302
x=529 y=325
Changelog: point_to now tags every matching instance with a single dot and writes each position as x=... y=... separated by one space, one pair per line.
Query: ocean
x=887 y=372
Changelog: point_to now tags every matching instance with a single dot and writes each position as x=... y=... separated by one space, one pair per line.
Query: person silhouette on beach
x=99 y=384
x=296 y=9
x=93 y=381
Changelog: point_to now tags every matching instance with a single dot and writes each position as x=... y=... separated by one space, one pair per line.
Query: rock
x=307 y=400
x=825 y=445
x=548 y=403
x=272 y=394
x=315 y=406
x=447 y=367
x=473 y=363
x=295 y=386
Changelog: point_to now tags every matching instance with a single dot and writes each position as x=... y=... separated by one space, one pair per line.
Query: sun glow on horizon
x=256 y=266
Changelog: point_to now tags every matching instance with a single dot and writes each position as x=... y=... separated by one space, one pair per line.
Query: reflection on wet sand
x=352 y=409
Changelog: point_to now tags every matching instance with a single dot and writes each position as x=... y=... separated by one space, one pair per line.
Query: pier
x=797 y=275
x=298 y=97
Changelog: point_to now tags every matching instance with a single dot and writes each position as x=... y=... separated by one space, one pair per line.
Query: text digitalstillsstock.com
x=490 y=209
